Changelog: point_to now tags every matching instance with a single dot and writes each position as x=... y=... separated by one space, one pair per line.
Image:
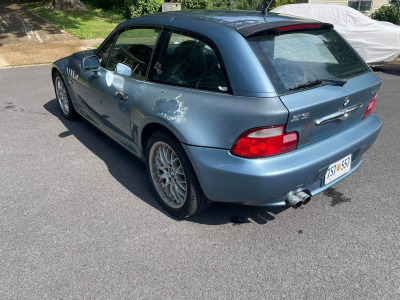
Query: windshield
x=295 y=58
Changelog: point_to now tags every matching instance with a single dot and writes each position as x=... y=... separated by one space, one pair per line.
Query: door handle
x=121 y=96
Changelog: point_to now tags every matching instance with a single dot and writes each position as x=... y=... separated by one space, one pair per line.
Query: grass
x=96 y=46
x=91 y=23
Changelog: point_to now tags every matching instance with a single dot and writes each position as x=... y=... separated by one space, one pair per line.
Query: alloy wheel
x=62 y=95
x=167 y=174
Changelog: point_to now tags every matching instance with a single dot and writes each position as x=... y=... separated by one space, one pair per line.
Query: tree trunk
x=67 y=4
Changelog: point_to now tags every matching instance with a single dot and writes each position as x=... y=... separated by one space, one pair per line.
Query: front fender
x=73 y=64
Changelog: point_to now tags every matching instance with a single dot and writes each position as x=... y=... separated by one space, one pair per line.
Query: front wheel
x=172 y=176
x=63 y=98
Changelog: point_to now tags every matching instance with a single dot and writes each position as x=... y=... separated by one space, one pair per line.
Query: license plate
x=338 y=169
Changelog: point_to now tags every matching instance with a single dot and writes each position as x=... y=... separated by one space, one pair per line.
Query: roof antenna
x=265 y=10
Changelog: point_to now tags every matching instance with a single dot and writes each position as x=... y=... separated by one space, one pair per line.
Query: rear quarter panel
x=201 y=118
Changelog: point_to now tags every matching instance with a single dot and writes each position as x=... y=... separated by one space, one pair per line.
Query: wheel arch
x=55 y=68
x=53 y=71
x=153 y=127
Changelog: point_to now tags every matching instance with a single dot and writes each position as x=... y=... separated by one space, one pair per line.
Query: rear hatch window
x=294 y=58
x=298 y=62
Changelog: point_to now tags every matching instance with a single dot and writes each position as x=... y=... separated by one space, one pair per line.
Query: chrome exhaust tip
x=304 y=197
x=294 y=201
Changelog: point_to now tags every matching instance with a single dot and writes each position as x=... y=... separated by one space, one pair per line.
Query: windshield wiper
x=334 y=81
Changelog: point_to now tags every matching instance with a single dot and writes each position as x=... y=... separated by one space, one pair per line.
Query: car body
x=207 y=117
x=377 y=42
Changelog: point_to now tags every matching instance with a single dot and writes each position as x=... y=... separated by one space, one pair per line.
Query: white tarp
x=377 y=42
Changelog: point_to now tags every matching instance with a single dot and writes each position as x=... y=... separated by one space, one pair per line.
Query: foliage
x=396 y=5
x=197 y=4
x=110 y=4
x=388 y=13
x=245 y=4
x=137 y=8
x=220 y=4
x=385 y=13
x=281 y=2
x=130 y=8
x=67 y=4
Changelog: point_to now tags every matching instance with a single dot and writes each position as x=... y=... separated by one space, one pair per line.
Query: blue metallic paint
x=268 y=181
x=208 y=123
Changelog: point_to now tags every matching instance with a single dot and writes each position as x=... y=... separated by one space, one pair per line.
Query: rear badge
x=346 y=101
x=300 y=117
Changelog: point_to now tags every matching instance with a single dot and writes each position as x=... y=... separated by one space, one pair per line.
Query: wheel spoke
x=179 y=170
x=164 y=153
x=168 y=174
x=171 y=157
x=62 y=95
x=160 y=156
x=179 y=183
x=183 y=193
x=175 y=194
x=163 y=176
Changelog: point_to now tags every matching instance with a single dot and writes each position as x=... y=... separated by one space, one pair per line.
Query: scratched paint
x=172 y=110
x=306 y=133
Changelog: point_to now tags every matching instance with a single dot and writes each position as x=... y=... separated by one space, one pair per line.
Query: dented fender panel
x=202 y=118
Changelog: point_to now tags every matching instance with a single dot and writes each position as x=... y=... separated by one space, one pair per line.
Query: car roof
x=245 y=22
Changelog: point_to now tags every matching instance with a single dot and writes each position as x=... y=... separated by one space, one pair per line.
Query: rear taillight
x=370 y=107
x=264 y=141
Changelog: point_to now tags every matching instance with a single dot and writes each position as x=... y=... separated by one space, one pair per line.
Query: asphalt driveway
x=26 y=39
x=78 y=219
x=20 y=26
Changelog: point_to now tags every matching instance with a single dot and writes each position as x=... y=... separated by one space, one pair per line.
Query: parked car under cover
x=377 y=42
x=229 y=106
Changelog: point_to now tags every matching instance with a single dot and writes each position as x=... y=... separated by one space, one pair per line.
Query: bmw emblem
x=346 y=101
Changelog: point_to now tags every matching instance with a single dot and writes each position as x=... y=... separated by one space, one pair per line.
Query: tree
x=389 y=13
x=396 y=5
x=67 y=4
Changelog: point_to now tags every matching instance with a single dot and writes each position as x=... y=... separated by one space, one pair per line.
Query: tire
x=64 y=100
x=171 y=194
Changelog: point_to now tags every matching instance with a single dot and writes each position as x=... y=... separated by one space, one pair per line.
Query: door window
x=188 y=61
x=104 y=52
x=133 y=49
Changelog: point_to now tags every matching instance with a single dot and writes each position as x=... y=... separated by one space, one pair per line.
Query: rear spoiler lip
x=272 y=27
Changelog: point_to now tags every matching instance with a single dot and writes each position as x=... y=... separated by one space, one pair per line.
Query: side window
x=133 y=49
x=187 y=61
x=105 y=52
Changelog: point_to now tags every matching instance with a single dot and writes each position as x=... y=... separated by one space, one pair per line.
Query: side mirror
x=91 y=63
x=123 y=69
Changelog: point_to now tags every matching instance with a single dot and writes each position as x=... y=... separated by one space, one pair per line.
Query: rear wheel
x=63 y=98
x=172 y=176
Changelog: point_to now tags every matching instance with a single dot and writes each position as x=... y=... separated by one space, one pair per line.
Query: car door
x=123 y=68
x=186 y=71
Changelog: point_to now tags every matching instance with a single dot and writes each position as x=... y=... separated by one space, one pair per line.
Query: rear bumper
x=268 y=181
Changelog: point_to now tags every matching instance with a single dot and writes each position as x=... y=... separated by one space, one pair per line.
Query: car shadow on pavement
x=391 y=70
x=130 y=172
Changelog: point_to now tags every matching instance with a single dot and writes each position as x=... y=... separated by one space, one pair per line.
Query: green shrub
x=196 y=4
x=386 y=13
x=245 y=4
x=281 y=2
x=137 y=8
x=110 y=4
x=220 y=4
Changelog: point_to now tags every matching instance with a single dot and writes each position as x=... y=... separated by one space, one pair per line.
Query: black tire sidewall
x=162 y=136
x=70 y=114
